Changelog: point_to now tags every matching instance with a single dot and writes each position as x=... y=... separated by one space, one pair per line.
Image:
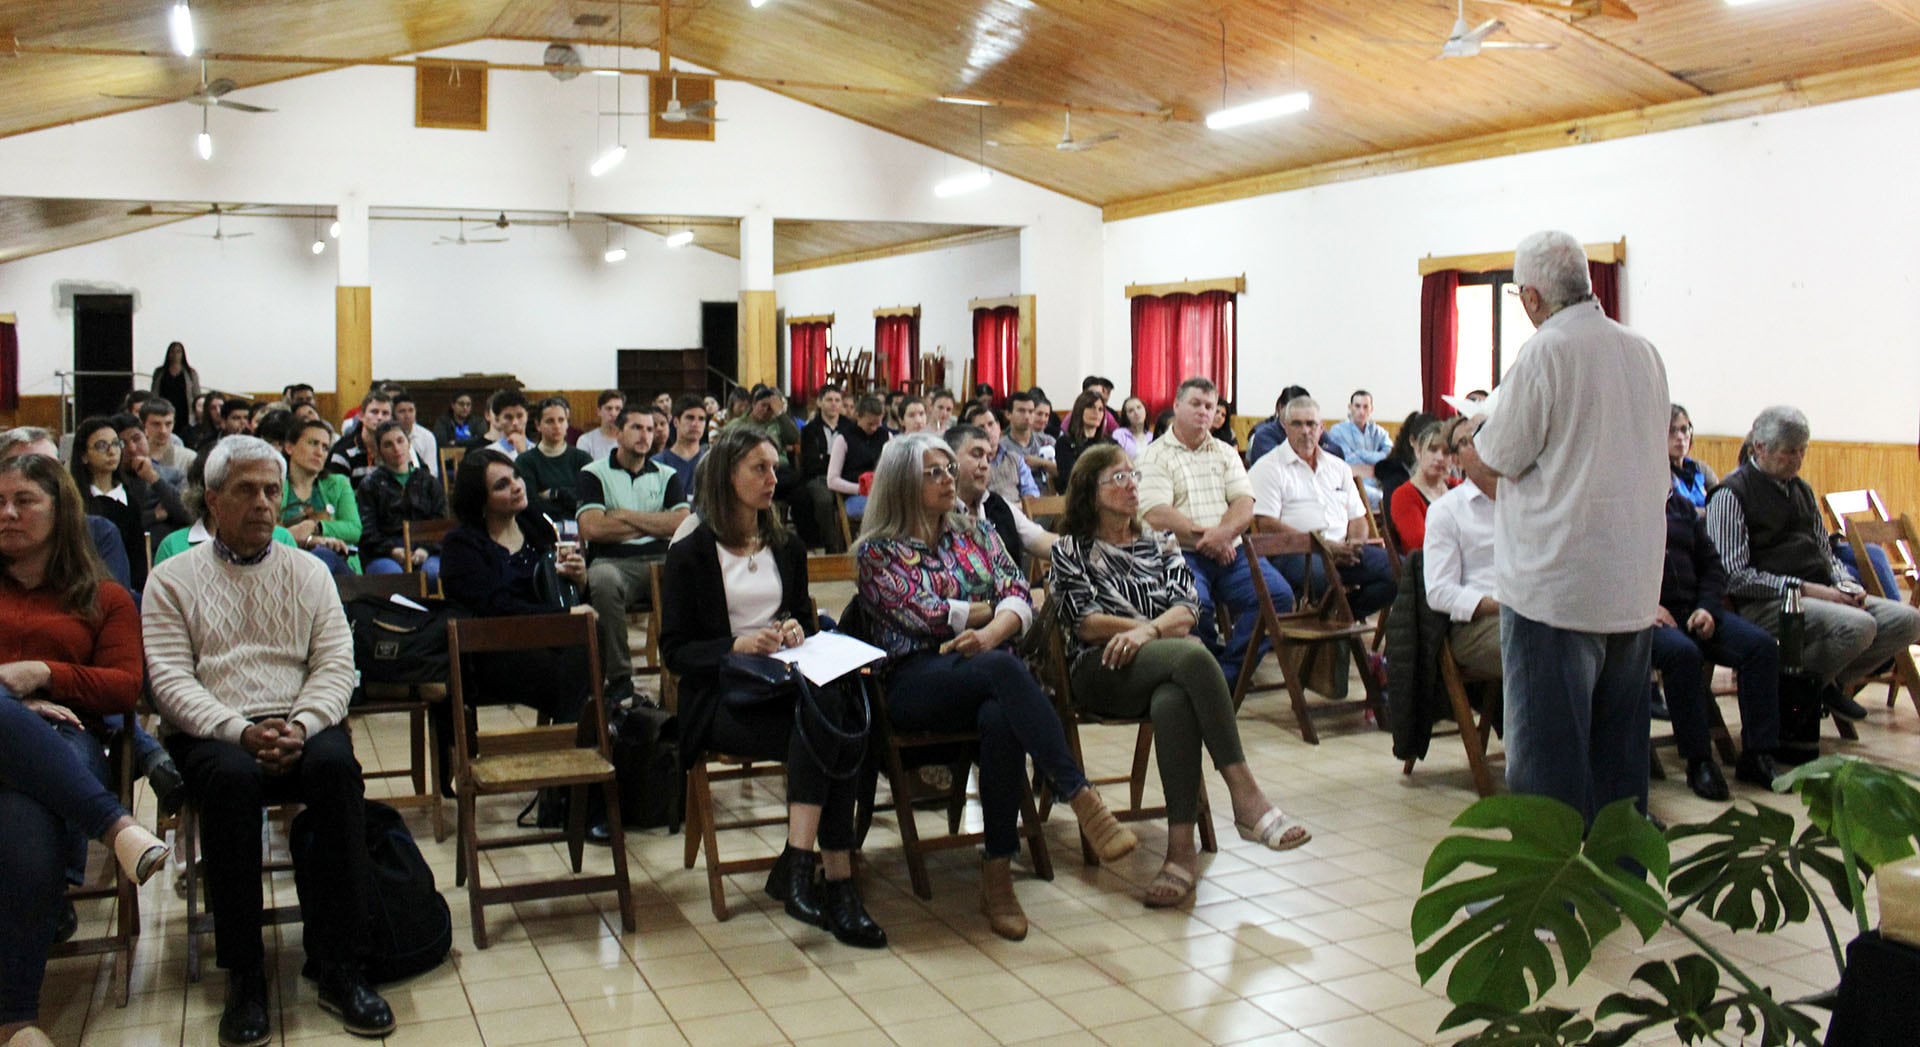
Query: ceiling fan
x=219 y=231
x=463 y=240
x=692 y=113
x=1466 y=41
x=211 y=94
x=1067 y=143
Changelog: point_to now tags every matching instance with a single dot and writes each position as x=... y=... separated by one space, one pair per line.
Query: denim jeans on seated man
x=1577 y=710
x=1683 y=658
x=1231 y=584
x=1372 y=578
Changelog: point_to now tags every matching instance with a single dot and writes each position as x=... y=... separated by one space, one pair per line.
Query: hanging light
x=608 y=160
x=615 y=252
x=681 y=238
x=757 y=4
x=333 y=230
x=203 y=142
x=319 y=244
x=612 y=157
x=180 y=27
x=1252 y=112
x=973 y=181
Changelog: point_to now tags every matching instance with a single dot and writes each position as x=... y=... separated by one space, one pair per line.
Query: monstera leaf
x=1542 y=876
x=1544 y=1027
x=1747 y=876
x=1873 y=811
x=1689 y=998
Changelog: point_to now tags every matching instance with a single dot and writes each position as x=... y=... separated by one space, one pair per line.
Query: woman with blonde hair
x=944 y=599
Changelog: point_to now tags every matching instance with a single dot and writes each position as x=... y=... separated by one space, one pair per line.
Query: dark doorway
x=102 y=353
x=720 y=337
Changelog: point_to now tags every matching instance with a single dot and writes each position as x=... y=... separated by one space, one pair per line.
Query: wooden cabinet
x=646 y=373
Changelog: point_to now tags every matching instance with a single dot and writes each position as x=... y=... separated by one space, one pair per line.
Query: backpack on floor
x=646 y=756
x=409 y=929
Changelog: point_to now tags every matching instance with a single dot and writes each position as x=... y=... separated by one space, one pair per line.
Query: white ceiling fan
x=211 y=94
x=1466 y=41
x=692 y=113
x=1066 y=144
x=463 y=240
x=219 y=231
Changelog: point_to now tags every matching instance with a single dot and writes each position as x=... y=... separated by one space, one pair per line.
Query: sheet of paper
x=826 y=657
x=408 y=604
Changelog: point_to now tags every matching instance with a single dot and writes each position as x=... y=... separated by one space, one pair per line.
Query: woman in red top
x=1432 y=464
x=69 y=656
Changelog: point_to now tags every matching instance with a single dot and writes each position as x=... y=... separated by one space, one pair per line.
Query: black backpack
x=396 y=644
x=646 y=755
x=409 y=928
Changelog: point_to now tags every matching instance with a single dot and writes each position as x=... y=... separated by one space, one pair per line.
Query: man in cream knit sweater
x=252 y=668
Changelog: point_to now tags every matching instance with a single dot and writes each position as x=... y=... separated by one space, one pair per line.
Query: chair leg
x=470 y=865
x=1036 y=834
x=1249 y=662
x=696 y=815
x=909 y=833
x=188 y=839
x=577 y=827
x=617 y=827
x=1142 y=752
x=1208 y=841
x=1376 y=702
x=1297 y=696
x=710 y=840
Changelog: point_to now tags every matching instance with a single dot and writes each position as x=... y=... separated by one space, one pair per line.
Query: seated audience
x=113 y=494
x=973 y=460
x=1765 y=522
x=1044 y=419
x=1432 y=477
x=739 y=402
x=208 y=419
x=236 y=417
x=252 y=668
x=168 y=450
x=1128 y=606
x=101 y=533
x=913 y=416
x=426 y=447
x=1691 y=478
x=766 y=414
x=507 y=421
x=1272 y=432
x=1010 y=479
x=944 y=599
x=319 y=508
x=400 y=490
x=1692 y=630
x=69 y=658
x=456 y=428
x=739 y=581
x=1133 y=434
x=940 y=413
x=1223 y=425
x=1085 y=427
x=194 y=498
x=1297 y=487
x=629 y=508
x=855 y=452
x=1029 y=440
x=161 y=511
x=1362 y=442
x=1195 y=487
x=354 y=456
x=1458 y=565
x=662 y=427
x=603 y=438
x=551 y=468
x=1397 y=467
x=1104 y=386
x=689 y=440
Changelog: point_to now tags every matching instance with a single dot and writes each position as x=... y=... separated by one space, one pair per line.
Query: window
x=1492 y=328
x=1181 y=331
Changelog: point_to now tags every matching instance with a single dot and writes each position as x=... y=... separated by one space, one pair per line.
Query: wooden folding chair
x=414 y=700
x=1044 y=510
x=420 y=532
x=199 y=923
x=1842 y=507
x=845 y=521
x=1316 y=624
x=1861 y=533
x=1474 y=729
x=1381 y=526
x=450 y=459
x=113 y=882
x=528 y=759
x=1056 y=674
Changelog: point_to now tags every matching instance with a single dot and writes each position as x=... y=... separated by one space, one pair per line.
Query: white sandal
x=1274 y=831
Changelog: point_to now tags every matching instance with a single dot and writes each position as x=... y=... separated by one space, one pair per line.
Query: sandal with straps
x=1169 y=888
x=1110 y=840
x=1274 y=831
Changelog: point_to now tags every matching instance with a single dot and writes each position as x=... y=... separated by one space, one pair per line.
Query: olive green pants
x=1178 y=684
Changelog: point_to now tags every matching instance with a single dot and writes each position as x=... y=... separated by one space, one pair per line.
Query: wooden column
x=759 y=339
x=352 y=344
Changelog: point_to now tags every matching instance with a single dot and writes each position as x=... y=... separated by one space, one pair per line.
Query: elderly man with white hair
x=1578 y=439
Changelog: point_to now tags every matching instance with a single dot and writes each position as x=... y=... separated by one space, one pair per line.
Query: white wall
x=939 y=282
x=348 y=137
x=1767 y=258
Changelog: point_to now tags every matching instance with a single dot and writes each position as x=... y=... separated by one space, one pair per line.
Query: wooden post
x=352 y=345
x=759 y=339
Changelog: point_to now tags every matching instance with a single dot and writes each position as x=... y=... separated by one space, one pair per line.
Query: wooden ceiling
x=1370 y=96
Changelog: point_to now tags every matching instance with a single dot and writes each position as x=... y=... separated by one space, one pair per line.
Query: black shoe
x=244 y=1023
x=847 y=918
x=599 y=835
x=1706 y=781
x=345 y=994
x=792 y=882
x=1756 y=768
x=618 y=692
x=65 y=922
x=1842 y=706
x=169 y=789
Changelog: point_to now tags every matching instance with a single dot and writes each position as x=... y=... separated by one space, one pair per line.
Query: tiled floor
x=1299 y=948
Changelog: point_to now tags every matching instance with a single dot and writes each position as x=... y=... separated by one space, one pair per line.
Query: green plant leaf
x=1542 y=876
x=1821 y=856
x=1545 y=1027
x=1688 y=999
x=1744 y=877
x=1882 y=805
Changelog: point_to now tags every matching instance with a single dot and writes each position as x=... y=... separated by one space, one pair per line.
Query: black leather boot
x=847 y=916
x=346 y=994
x=792 y=881
x=244 y=1022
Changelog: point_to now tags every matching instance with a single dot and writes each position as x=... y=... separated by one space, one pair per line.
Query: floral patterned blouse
x=918 y=595
x=1142 y=579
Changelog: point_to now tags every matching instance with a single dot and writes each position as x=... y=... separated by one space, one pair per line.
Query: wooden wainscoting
x=1838 y=465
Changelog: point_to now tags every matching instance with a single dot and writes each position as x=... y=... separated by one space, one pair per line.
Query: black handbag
x=753 y=680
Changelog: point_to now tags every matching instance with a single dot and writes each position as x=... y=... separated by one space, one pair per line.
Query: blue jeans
x=1373 y=577
x=1882 y=567
x=51 y=793
x=1233 y=585
x=386 y=565
x=1576 y=712
x=992 y=693
x=1755 y=657
x=336 y=563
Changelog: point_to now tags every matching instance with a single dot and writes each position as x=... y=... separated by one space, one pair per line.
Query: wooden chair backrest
x=1330 y=606
x=415 y=531
x=523 y=632
x=1840 y=505
x=1885 y=533
x=354 y=586
x=450 y=459
x=1046 y=505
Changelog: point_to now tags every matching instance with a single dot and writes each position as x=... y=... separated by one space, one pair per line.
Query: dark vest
x=1000 y=515
x=863 y=452
x=1783 y=526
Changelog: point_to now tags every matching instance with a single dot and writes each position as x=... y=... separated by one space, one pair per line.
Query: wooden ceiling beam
x=1907 y=11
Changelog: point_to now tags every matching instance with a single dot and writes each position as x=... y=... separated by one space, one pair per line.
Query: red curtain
x=1181 y=336
x=896 y=343
x=1606 y=287
x=1439 y=340
x=996 y=349
x=9 y=367
x=807 y=359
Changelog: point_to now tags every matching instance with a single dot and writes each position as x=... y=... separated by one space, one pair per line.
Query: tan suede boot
x=1109 y=838
x=998 y=902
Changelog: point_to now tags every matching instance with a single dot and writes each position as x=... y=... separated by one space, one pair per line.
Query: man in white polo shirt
x=1297 y=488
x=1578 y=438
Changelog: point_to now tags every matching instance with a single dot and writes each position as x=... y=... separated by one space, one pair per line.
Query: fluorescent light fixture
x=615 y=254
x=608 y=161
x=956 y=100
x=203 y=142
x=180 y=25
x=319 y=247
x=757 y=4
x=959 y=185
x=333 y=231
x=606 y=72
x=1265 y=109
x=681 y=238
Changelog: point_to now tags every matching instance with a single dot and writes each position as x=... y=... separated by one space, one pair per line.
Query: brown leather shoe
x=998 y=902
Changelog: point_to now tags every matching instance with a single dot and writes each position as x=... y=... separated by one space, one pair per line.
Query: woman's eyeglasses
x=103 y=446
x=1123 y=478
x=944 y=471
